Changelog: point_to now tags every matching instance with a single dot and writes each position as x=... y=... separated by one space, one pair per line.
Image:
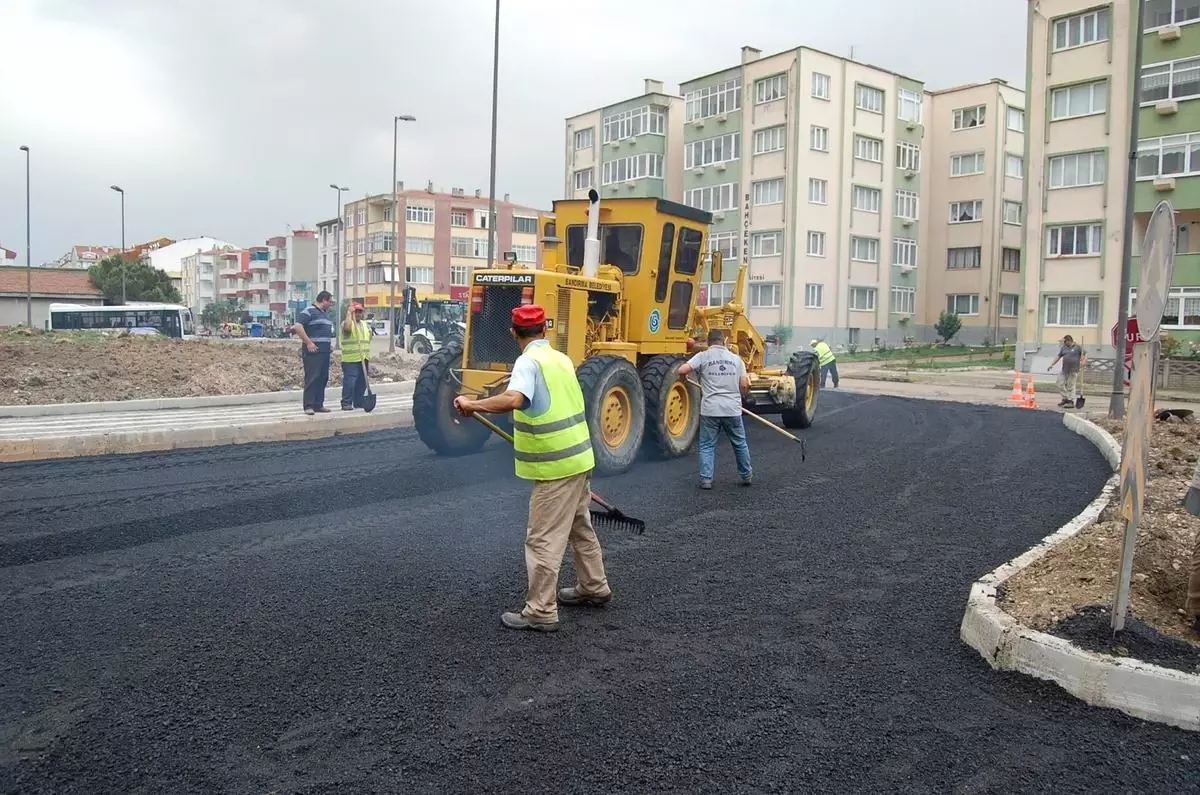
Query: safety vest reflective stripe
x=549 y=427
x=557 y=444
x=556 y=455
x=357 y=346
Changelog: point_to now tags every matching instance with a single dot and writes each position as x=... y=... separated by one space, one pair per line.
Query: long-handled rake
x=611 y=516
x=771 y=425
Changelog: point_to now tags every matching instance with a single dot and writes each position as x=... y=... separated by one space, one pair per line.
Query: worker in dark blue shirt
x=315 y=330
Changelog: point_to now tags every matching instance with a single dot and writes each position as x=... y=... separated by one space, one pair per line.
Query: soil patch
x=1090 y=628
x=43 y=368
x=1081 y=573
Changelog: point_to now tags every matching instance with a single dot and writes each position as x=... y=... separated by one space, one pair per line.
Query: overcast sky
x=230 y=118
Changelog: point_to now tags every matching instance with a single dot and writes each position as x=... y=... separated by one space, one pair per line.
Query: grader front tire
x=438 y=425
x=615 y=407
x=804 y=368
x=672 y=408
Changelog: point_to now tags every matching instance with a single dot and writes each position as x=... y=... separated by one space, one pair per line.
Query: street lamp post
x=495 y=94
x=395 y=232
x=341 y=255
x=119 y=190
x=28 y=258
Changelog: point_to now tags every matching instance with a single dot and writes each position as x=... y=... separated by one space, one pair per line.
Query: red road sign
x=1133 y=336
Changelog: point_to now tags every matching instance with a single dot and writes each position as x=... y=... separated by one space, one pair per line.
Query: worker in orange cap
x=355 y=338
x=553 y=448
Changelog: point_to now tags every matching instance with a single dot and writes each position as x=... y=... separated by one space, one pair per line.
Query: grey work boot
x=571 y=596
x=706 y=484
x=518 y=621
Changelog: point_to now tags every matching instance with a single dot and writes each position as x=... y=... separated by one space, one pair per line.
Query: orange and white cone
x=1031 y=395
x=1018 y=396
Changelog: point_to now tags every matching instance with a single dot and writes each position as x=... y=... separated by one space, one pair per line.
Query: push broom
x=611 y=516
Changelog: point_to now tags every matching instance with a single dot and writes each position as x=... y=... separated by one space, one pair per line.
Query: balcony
x=279 y=263
x=278 y=284
x=258 y=265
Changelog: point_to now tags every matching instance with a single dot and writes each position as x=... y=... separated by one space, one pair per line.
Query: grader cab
x=619 y=289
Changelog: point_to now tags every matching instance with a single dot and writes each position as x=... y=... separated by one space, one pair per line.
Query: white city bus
x=172 y=320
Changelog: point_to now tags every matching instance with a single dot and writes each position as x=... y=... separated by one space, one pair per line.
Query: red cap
x=357 y=307
x=528 y=316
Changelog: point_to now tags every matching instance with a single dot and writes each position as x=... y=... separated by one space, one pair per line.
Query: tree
x=143 y=282
x=947 y=326
x=220 y=312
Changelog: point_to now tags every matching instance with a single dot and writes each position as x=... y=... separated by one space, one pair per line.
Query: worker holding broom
x=553 y=449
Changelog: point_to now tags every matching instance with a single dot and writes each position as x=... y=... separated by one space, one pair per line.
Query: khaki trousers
x=1068 y=385
x=558 y=513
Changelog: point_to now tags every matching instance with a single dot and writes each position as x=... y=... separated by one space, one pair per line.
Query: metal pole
x=495 y=94
x=395 y=235
x=341 y=256
x=121 y=191
x=28 y=256
x=1116 y=401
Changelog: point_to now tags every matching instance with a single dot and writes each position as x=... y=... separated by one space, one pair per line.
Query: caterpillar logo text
x=503 y=278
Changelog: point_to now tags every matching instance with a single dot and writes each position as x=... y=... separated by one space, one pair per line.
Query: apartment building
x=329 y=255
x=84 y=257
x=272 y=281
x=632 y=148
x=199 y=277
x=976 y=161
x=442 y=237
x=821 y=178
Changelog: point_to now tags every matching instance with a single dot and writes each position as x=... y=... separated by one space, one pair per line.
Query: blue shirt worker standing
x=552 y=447
x=723 y=381
x=315 y=330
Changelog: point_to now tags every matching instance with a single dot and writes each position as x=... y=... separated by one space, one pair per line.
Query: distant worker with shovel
x=355 y=338
x=553 y=448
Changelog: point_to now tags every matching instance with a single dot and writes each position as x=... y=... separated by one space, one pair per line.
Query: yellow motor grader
x=619 y=289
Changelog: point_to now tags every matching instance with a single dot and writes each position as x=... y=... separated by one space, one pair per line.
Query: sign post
x=1155 y=269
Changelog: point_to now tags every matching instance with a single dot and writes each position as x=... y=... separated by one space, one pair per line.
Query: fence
x=1182 y=375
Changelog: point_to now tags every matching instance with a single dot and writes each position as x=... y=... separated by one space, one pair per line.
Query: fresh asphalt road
x=324 y=617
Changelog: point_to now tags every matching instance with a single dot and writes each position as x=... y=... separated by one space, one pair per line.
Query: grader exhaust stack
x=591 y=245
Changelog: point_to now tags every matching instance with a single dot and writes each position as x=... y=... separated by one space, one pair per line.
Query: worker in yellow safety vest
x=355 y=339
x=553 y=448
x=826 y=360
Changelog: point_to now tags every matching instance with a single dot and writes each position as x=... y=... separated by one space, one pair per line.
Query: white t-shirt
x=526 y=378
x=720 y=374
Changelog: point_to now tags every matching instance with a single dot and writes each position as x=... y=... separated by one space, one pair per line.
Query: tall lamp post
x=122 y=192
x=341 y=256
x=28 y=259
x=395 y=232
x=492 y=188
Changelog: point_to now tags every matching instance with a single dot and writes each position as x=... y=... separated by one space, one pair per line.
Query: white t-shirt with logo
x=720 y=373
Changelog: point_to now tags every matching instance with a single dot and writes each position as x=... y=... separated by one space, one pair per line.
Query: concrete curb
x=1140 y=689
x=332 y=395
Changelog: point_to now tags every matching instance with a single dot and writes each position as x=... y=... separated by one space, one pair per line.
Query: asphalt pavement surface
x=325 y=617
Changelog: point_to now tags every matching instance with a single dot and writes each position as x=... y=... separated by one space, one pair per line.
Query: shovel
x=370 y=398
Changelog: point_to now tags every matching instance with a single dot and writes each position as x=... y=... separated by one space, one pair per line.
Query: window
x=862 y=299
x=1083 y=100
x=868 y=200
x=766 y=244
x=967 y=118
x=963 y=304
x=481 y=248
x=765 y=294
x=1014 y=166
x=818 y=190
x=632 y=123
x=1012 y=212
x=907 y=204
x=524 y=225
x=1009 y=304
x=904 y=300
x=908 y=105
x=527 y=254
x=460 y=275
x=1078 y=240
x=812 y=295
x=904 y=252
x=1081 y=29
x=820 y=85
x=713 y=100
x=713 y=198
x=818 y=138
x=960 y=259
x=418 y=274
x=387 y=213
x=769 y=140
x=1172 y=156
x=870 y=149
x=1072 y=310
x=1010 y=260
x=908 y=156
x=1160 y=13
x=418 y=245
x=627 y=169
x=720 y=293
x=585 y=139
x=1016 y=120
x=418 y=214
x=966 y=212
x=462 y=247
x=868 y=98
x=816 y=244
x=666 y=249
x=768 y=191
x=770 y=89
x=966 y=165
x=1182 y=309
x=584 y=179
x=1085 y=168
x=718 y=149
x=726 y=243
x=864 y=249
x=458 y=218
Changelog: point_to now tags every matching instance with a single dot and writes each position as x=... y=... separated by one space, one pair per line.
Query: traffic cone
x=1017 y=397
x=1031 y=395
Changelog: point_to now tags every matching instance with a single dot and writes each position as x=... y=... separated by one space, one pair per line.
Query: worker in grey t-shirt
x=1073 y=359
x=723 y=380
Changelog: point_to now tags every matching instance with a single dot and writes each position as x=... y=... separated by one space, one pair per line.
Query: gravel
x=324 y=617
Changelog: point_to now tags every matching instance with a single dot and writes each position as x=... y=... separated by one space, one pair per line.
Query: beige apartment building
x=824 y=177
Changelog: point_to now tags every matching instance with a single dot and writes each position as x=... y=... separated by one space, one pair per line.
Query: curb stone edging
x=1140 y=689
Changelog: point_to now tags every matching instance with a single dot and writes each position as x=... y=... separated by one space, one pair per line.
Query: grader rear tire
x=438 y=425
x=804 y=368
x=615 y=406
x=672 y=408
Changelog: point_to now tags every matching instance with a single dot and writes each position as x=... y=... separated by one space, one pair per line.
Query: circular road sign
x=1156 y=265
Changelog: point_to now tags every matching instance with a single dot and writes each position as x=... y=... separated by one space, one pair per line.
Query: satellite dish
x=1156 y=266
